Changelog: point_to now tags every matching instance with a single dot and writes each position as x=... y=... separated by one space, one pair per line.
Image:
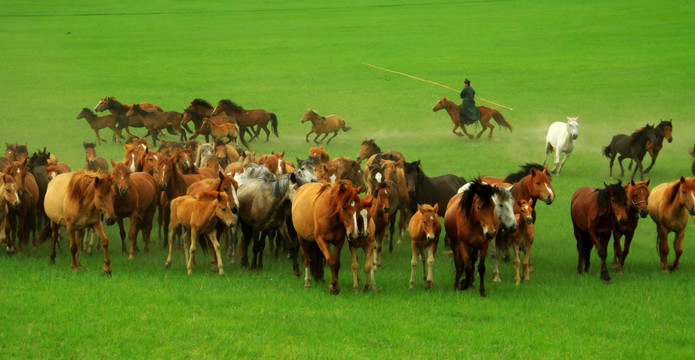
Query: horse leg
x=517 y=261
x=548 y=149
x=99 y=139
x=458 y=133
x=527 y=259
x=638 y=165
x=212 y=237
x=133 y=235
x=355 y=269
x=652 y=163
x=620 y=162
x=617 y=251
x=610 y=164
x=193 y=238
x=334 y=135
x=317 y=136
x=581 y=244
x=458 y=250
x=55 y=231
x=333 y=262
x=481 y=269
x=431 y=248
x=628 y=241
x=492 y=128
x=74 y=250
x=99 y=229
x=121 y=232
x=267 y=133
x=11 y=233
x=307 y=135
x=392 y=228
x=494 y=259
x=602 y=244
x=174 y=229
x=413 y=263
x=678 y=248
x=246 y=238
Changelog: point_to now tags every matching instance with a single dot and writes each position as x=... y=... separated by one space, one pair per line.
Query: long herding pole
x=434 y=83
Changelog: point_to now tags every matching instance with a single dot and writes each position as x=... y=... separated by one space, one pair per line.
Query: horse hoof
x=167 y=265
x=307 y=285
x=496 y=279
x=106 y=272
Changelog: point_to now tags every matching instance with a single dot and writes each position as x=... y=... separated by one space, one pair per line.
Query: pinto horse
x=424 y=228
x=486 y=113
x=22 y=218
x=669 y=207
x=630 y=146
x=136 y=198
x=637 y=197
x=99 y=122
x=595 y=213
x=248 y=118
x=78 y=201
x=471 y=223
x=120 y=110
x=323 y=125
x=324 y=214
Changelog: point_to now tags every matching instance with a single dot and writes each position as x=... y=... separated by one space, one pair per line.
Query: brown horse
x=155 y=121
x=120 y=110
x=372 y=152
x=532 y=182
x=22 y=218
x=199 y=215
x=471 y=223
x=99 y=122
x=595 y=213
x=221 y=131
x=248 y=118
x=669 y=207
x=486 y=114
x=9 y=198
x=323 y=125
x=522 y=238
x=662 y=131
x=379 y=213
x=345 y=168
x=367 y=243
x=424 y=228
x=78 y=201
x=324 y=214
x=92 y=161
x=392 y=172
x=136 y=198
x=196 y=111
x=637 y=197
x=16 y=152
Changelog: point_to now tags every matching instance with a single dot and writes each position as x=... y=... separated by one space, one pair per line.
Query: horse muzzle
x=123 y=191
x=110 y=220
x=513 y=228
x=575 y=136
x=163 y=187
x=489 y=234
x=15 y=203
x=643 y=213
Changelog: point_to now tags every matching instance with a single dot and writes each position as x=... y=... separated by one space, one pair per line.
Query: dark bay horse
x=630 y=146
x=120 y=110
x=196 y=111
x=471 y=223
x=323 y=214
x=99 y=122
x=22 y=218
x=487 y=113
x=663 y=130
x=430 y=190
x=248 y=118
x=637 y=197
x=155 y=121
x=670 y=206
x=595 y=213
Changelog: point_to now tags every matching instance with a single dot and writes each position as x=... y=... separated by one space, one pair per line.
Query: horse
x=199 y=215
x=424 y=228
x=638 y=196
x=486 y=113
x=228 y=130
x=595 y=213
x=158 y=120
x=368 y=148
x=99 y=122
x=196 y=111
x=522 y=238
x=367 y=243
x=136 y=198
x=272 y=162
x=345 y=168
x=323 y=125
x=630 y=146
x=249 y=118
x=430 y=190
x=9 y=198
x=323 y=214
x=470 y=223
x=663 y=130
x=390 y=171
x=120 y=111
x=22 y=217
x=560 y=140
x=92 y=161
x=379 y=214
x=226 y=154
x=78 y=201
x=669 y=207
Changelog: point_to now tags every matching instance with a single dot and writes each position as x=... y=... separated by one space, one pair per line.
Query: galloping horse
x=324 y=214
x=669 y=207
x=560 y=139
x=323 y=125
x=637 y=195
x=78 y=201
x=155 y=121
x=486 y=114
x=595 y=213
x=196 y=111
x=136 y=198
x=92 y=161
x=221 y=131
x=120 y=110
x=424 y=228
x=630 y=146
x=248 y=118
x=22 y=218
x=99 y=122
x=369 y=148
x=470 y=222
x=663 y=130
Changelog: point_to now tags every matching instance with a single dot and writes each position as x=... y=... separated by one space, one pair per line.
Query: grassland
x=618 y=65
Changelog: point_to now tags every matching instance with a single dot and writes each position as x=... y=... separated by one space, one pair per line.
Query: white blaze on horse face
x=379 y=177
x=132 y=163
x=333 y=178
x=363 y=212
x=279 y=166
x=236 y=199
x=552 y=194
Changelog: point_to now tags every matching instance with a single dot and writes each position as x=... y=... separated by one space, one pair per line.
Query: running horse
x=120 y=110
x=632 y=146
x=424 y=228
x=662 y=131
x=99 y=122
x=595 y=213
x=78 y=201
x=323 y=125
x=471 y=223
x=486 y=114
x=669 y=207
x=324 y=214
x=248 y=118
x=155 y=121
x=638 y=196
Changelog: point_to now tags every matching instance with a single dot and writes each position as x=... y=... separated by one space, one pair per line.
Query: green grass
x=618 y=65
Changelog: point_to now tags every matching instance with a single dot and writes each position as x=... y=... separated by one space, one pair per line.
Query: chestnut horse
x=221 y=131
x=595 y=213
x=92 y=161
x=196 y=111
x=522 y=238
x=324 y=214
x=155 y=121
x=78 y=201
x=424 y=228
x=9 y=198
x=120 y=110
x=379 y=213
x=248 y=118
x=16 y=152
x=367 y=243
x=637 y=197
x=470 y=222
x=22 y=218
x=669 y=207
x=99 y=122
x=323 y=125
x=136 y=198
x=199 y=215
x=486 y=113
x=392 y=172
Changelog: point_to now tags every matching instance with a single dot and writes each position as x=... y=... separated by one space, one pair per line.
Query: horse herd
x=202 y=193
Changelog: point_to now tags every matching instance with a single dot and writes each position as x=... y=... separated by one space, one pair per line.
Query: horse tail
x=345 y=127
x=607 y=151
x=501 y=120
x=274 y=123
x=316 y=260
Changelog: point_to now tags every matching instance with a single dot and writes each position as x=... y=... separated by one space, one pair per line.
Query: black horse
x=630 y=146
x=426 y=190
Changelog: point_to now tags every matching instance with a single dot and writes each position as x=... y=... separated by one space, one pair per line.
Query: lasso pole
x=434 y=83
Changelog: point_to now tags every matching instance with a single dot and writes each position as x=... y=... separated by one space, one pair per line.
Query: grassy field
x=618 y=65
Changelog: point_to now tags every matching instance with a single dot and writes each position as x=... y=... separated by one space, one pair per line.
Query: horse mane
x=604 y=196
x=39 y=158
x=89 y=111
x=662 y=124
x=138 y=110
x=80 y=187
x=22 y=149
x=672 y=191
x=208 y=195
x=641 y=134
x=372 y=144
x=231 y=104
x=503 y=195
x=525 y=170
x=477 y=187
x=201 y=102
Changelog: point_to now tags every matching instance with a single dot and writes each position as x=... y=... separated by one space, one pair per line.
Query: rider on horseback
x=469 y=113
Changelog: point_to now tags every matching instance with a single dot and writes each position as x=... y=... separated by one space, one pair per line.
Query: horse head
x=526 y=211
x=479 y=207
x=121 y=177
x=309 y=115
x=223 y=209
x=687 y=193
x=504 y=206
x=666 y=127
x=367 y=149
x=441 y=104
x=383 y=196
x=638 y=194
x=347 y=199
x=573 y=127
x=90 y=152
x=618 y=201
x=103 y=197
x=164 y=170
x=102 y=105
x=541 y=186
x=430 y=220
x=9 y=189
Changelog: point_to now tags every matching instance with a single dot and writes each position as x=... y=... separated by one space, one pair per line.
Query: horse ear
x=682 y=179
x=436 y=207
x=420 y=208
x=648 y=182
x=360 y=189
x=113 y=163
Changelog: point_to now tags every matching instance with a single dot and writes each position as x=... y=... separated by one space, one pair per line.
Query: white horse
x=561 y=137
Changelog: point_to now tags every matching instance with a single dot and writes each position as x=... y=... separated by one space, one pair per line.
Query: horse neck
x=176 y=185
x=520 y=190
x=451 y=107
x=117 y=107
